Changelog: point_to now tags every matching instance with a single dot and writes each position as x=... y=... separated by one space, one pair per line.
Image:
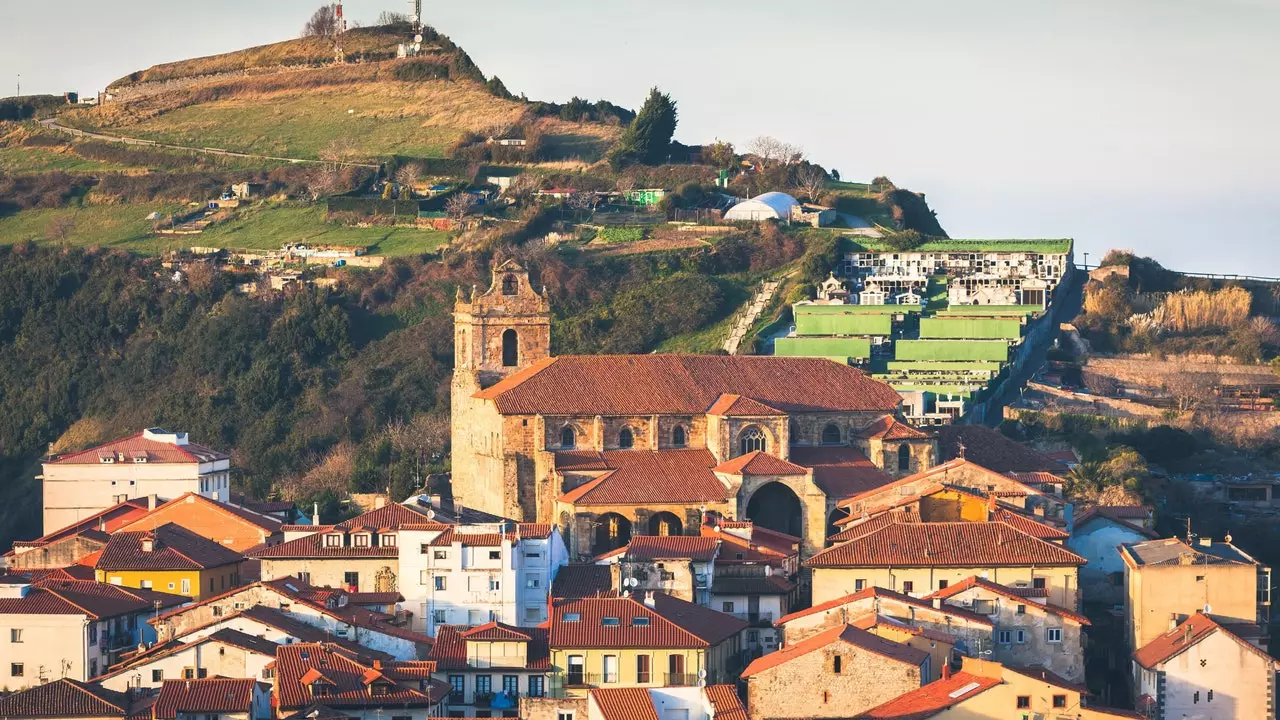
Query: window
x=495 y=554
x=837 y=664
x=186 y=586
x=574 y=676
x=1021 y=637
x=984 y=607
x=626 y=438
x=93 y=668
x=908 y=587
x=1037 y=583
x=457 y=688
x=510 y=285
x=675 y=670
x=473 y=617
x=564 y=715
x=533 y=556
x=333 y=541
x=157 y=675
x=639 y=622
x=510 y=348
x=360 y=540
x=753 y=636
x=378 y=689
x=424 y=549
x=494 y=584
x=535 y=686
x=484 y=684
x=351 y=579
x=678 y=438
x=859 y=585
x=16 y=669
x=15 y=635
x=726 y=607
x=1195 y=697
x=942 y=584
x=610 y=668
x=532 y=582
x=568 y=438
x=1024 y=702
x=305 y=577
x=831 y=434
x=1199 y=578
x=1053 y=635
x=441 y=555
x=532 y=614
x=387 y=541
x=1004 y=637
x=510 y=685
x=904 y=458
x=572 y=617
x=1059 y=701
x=610 y=621
x=1208 y=696
x=440 y=617
x=1022 y=609
x=93 y=633
x=752 y=439
x=643 y=669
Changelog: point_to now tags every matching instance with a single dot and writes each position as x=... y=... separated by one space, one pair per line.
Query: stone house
x=69 y=699
x=68 y=545
x=939 y=645
x=1027 y=631
x=682 y=566
x=837 y=673
x=225 y=653
x=637 y=443
x=1095 y=535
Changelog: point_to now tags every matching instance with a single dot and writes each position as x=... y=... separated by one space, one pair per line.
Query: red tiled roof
x=753 y=585
x=347 y=678
x=64 y=698
x=1046 y=675
x=933 y=698
x=685 y=384
x=1063 y=456
x=1030 y=526
x=108 y=520
x=1037 y=477
x=945 y=544
x=672 y=547
x=840 y=472
x=932 y=477
x=730 y=405
x=579 y=580
x=725 y=703
x=873 y=620
x=671 y=623
x=495 y=631
x=534 y=531
x=80 y=597
x=174 y=548
x=878 y=592
x=993 y=449
x=863 y=526
x=374 y=598
x=759 y=463
x=204 y=695
x=1012 y=593
x=71 y=572
x=643 y=477
x=135 y=445
x=1124 y=515
x=388 y=517
x=631 y=703
x=890 y=428
x=450 y=649
x=269 y=524
x=580 y=460
x=844 y=633
x=1190 y=632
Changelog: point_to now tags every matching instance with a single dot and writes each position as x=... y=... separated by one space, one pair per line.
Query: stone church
x=607 y=446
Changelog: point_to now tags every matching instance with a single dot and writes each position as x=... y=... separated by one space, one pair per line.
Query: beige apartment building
x=153 y=462
x=1169 y=580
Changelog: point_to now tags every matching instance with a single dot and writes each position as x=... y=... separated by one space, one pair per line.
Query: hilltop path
x=53 y=124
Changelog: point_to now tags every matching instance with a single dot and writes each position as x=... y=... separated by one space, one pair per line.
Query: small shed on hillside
x=769 y=206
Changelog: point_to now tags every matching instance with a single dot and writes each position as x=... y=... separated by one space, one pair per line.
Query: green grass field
x=257 y=228
x=18 y=159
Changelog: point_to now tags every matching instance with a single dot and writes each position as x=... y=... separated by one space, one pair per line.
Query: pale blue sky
x=1149 y=125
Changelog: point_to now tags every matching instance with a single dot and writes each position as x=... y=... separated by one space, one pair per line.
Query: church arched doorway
x=776 y=507
x=665 y=523
x=612 y=532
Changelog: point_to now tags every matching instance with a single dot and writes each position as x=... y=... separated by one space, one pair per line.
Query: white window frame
x=1050 y=633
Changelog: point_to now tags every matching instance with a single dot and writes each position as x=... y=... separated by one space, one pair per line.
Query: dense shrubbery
x=44 y=190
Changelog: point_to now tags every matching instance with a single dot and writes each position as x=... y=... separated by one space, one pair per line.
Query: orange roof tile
x=671 y=623
x=890 y=428
x=1030 y=526
x=1012 y=593
x=878 y=592
x=839 y=471
x=1190 y=632
x=842 y=633
x=993 y=449
x=577 y=580
x=759 y=463
x=730 y=405
x=933 y=698
x=643 y=477
x=672 y=547
x=204 y=696
x=725 y=703
x=632 y=703
x=685 y=384
x=173 y=548
x=136 y=445
x=945 y=544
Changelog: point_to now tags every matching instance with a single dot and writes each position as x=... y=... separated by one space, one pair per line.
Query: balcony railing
x=558 y=684
x=679 y=679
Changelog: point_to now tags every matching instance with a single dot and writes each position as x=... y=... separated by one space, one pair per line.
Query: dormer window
x=333 y=540
x=140 y=458
x=387 y=540
x=320 y=688
x=379 y=689
x=107 y=459
x=360 y=540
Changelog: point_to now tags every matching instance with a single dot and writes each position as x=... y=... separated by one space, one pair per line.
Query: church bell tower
x=501 y=331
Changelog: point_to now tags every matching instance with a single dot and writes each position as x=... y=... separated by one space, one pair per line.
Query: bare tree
x=521 y=188
x=324 y=180
x=390 y=17
x=792 y=153
x=323 y=22
x=1191 y=390
x=60 y=227
x=811 y=180
x=580 y=202
x=338 y=150
x=460 y=205
x=625 y=184
x=773 y=151
x=408 y=174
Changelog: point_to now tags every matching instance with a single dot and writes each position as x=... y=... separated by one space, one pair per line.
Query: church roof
x=640 y=477
x=685 y=384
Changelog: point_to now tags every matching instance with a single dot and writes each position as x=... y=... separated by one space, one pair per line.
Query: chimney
x=937 y=603
x=151 y=501
x=435 y=501
x=946 y=671
x=380 y=502
x=148 y=543
x=648 y=599
x=315 y=513
x=1173 y=621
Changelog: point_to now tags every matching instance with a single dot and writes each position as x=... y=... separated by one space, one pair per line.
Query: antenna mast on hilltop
x=416 y=18
x=339 y=27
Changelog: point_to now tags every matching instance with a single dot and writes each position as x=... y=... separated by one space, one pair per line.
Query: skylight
x=964 y=690
x=610 y=622
x=639 y=621
x=572 y=617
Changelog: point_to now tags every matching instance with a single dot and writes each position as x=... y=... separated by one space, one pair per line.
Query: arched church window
x=678 y=438
x=568 y=438
x=904 y=458
x=510 y=349
x=510 y=285
x=626 y=438
x=753 y=438
x=831 y=434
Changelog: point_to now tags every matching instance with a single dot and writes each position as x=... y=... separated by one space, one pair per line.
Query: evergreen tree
x=648 y=140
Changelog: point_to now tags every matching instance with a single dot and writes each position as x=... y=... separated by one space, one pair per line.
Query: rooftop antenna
x=416 y=18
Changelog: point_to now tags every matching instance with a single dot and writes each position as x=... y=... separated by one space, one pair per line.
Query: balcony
x=755 y=619
x=560 y=683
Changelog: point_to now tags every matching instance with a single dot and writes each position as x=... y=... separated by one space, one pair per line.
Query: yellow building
x=918 y=558
x=169 y=559
x=628 y=642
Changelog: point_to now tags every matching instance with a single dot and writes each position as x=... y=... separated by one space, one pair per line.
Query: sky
x=1152 y=126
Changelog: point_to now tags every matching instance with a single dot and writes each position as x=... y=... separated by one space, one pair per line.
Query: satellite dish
x=431 y=514
x=1207 y=608
x=417 y=38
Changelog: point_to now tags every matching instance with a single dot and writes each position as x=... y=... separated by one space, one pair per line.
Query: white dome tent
x=769 y=206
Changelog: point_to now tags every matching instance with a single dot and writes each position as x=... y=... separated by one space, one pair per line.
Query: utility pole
x=19 y=85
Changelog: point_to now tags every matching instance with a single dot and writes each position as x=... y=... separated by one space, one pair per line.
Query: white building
x=769 y=206
x=1201 y=671
x=152 y=462
x=470 y=575
x=225 y=653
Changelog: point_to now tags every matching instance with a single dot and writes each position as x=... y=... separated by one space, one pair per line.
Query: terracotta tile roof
x=136 y=445
x=1190 y=632
x=840 y=472
x=374 y=598
x=882 y=593
x=226 y=635
x=389 y=517
x=1131 y=517
x=685 y=384
x=71 y=572
x=890 y=428
x=1065 y=457
x=579 y=580
x=752 y=585
x=643 y=477
x=348 y=680
x=580 y=460
x=108 y=520
x=175 y=548
x=734 y=549
x=1046 y=675
x=927 y=481
x=1012 y=593
x=863 y=526
x=269 y=524
x=725 y=703
x=842 y=633
x=80 y=597
x=298 y=629
x=672 y=547
x=945 y=544
x=64 y=698
x=631 y=703
x=671 y=623
x=495 y=631
x=993 y=449
x=450 y=649
x=730 y=405
x=204 y=695
x=534 y=531
x=1030 y=526
x=873 y=620
x=1037 y=477
x=759 y=463
x=933 y=698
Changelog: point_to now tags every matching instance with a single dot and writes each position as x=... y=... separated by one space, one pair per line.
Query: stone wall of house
x=808 y=686
x=56 y=554
x=549 y=708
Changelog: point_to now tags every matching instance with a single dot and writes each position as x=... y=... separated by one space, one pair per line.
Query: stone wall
x=808 y=686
